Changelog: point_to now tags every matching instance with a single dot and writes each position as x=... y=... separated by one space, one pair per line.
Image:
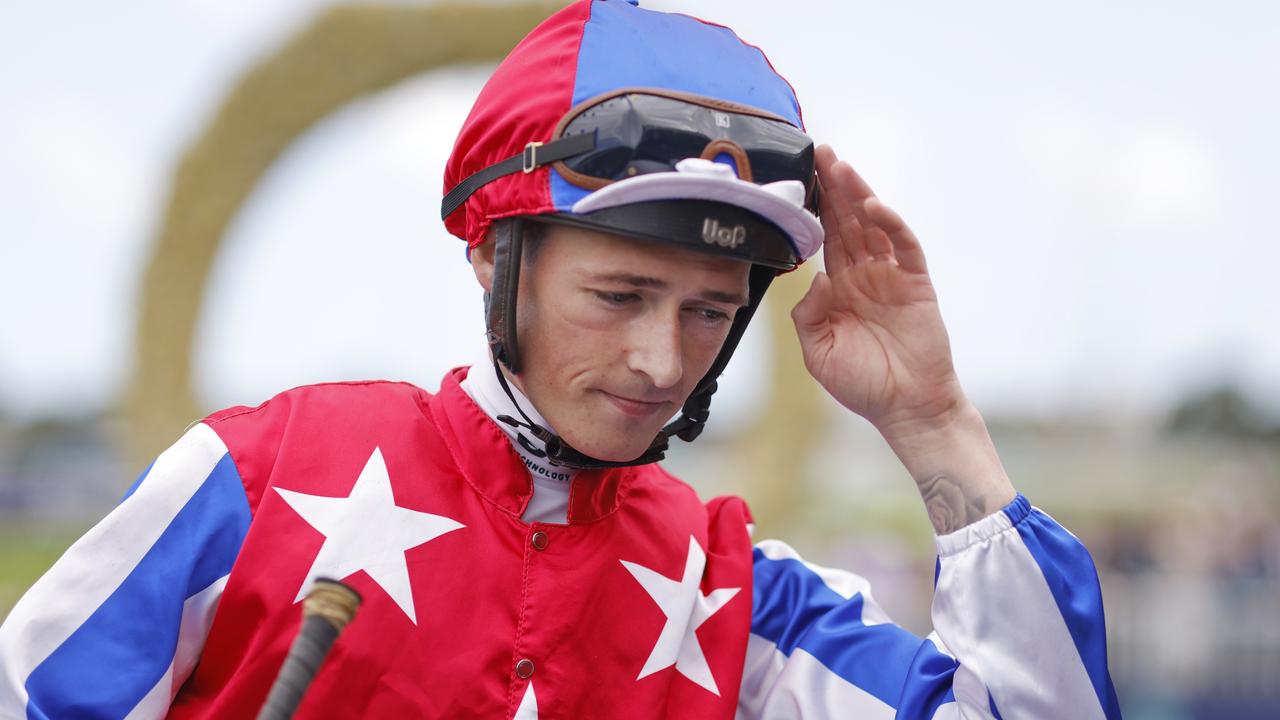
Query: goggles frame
x=561 y=147
x=714 y=148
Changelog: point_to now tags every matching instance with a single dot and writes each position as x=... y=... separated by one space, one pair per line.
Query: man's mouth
x=636 y=408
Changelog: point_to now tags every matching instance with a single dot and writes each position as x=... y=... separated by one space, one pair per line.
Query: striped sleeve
x=116 y=625
x=1019 y=633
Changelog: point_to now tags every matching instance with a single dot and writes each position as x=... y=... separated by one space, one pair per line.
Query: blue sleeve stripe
x=793 y=608
x=1073 y=582
x=116 y=656
x=991 y=704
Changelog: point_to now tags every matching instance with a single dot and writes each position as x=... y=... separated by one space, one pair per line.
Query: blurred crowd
x=1193 y=598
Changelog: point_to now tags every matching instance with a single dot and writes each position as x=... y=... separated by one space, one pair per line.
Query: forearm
x=117 y=624
x=951 y=457
x=1019 y=625
x=1018 y=604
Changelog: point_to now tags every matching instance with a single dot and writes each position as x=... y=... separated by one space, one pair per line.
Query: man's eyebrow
x=646 y=281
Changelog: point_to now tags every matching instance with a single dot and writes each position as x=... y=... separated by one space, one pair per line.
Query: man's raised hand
x=873 y=337
x=869 y=326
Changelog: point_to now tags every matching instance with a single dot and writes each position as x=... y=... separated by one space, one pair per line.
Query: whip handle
x=326 y=610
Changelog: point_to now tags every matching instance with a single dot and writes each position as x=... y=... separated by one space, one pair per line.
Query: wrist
x=928 y=444
x=948 y=413
x=954 y=463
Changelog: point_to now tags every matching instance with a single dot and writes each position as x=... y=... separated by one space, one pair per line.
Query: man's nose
x=656 y=350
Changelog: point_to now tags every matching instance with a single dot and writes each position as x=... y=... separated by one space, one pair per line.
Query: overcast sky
x=1094 y=183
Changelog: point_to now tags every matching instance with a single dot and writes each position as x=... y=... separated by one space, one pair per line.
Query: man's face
x=615 y=333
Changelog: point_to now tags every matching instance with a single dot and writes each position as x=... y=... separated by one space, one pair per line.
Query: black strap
x=500 y=308
x=534 y=155
x=557 y=451
x=538 y=431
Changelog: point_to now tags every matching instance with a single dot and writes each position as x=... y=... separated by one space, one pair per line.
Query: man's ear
x=482 y=262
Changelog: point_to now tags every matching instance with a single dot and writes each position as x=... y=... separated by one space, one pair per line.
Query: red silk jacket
x=488 y=616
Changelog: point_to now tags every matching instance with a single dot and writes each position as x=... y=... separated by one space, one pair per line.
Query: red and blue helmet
x=599 y=54
x=650 y=125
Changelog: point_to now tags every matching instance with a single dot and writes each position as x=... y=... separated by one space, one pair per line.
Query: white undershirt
x=550 y=501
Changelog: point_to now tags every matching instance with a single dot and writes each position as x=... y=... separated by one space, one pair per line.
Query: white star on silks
x=367 y=531
x=528 y=709
x=686 y=609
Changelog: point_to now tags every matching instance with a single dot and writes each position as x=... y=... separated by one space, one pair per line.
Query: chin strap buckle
x=530 y=157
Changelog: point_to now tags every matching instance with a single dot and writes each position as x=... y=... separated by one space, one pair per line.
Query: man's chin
x=610 y=449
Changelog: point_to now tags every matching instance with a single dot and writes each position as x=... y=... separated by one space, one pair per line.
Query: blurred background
x=204 y=202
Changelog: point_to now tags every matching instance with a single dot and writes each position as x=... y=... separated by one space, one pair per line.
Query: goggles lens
x=638 y=133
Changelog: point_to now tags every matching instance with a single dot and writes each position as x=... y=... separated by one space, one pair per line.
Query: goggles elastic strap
x=529 y=159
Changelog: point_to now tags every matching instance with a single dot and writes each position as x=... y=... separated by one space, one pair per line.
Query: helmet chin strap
x=557 y=451
x=500 y=318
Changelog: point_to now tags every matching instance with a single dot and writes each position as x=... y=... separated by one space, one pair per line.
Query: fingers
x=843 y=192
x=899 y=239
x=858 y=188
x=858 y=226
x=833 y=252
x=811 y=314
x=879 y=246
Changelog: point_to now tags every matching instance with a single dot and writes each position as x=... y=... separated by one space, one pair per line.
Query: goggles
x=640 y=132
x=633 y=132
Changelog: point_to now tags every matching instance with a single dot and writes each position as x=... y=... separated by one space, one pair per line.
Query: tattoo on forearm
x=949 y=509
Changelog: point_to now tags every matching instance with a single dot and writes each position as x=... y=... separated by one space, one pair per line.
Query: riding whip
x=326 y=610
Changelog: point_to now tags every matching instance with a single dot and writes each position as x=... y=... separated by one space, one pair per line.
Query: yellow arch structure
x=346 y=53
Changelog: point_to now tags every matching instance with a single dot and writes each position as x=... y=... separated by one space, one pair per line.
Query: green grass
x=27 y=549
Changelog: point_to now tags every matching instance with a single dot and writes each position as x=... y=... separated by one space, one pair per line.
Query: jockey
x=628 y=184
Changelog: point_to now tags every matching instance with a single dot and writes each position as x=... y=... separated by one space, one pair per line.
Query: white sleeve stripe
x=973 y=699
x=155 y=704
x=970 y=693
x=845 y=584
x=81 y=581
x=197 y=616
x=969 y=535
x=1029 y=646
x=937 y=642
x=777 y=686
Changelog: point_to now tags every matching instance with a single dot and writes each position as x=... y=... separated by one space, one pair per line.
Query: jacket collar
x=484 y=455
x=482 y=385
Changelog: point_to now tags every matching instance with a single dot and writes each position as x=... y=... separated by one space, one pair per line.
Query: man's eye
x=616 y=298
x=712 y=315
